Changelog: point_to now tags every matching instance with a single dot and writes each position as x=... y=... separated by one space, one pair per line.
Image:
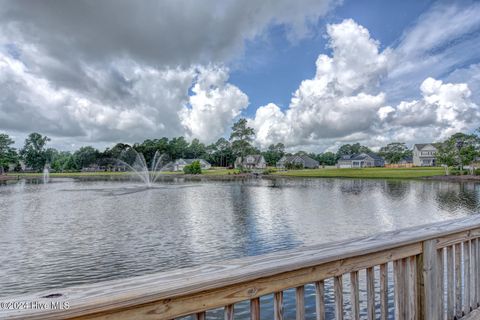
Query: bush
x=194 y=168
x=458 y=172
x=269 y=171
x=293 y=166
x=477 y=172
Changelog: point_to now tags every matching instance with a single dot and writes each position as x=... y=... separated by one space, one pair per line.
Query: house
x=424 y=154
x=405 y=162
x=179 y=164
x=255 y=161
x=302 y=160
x=361 y=160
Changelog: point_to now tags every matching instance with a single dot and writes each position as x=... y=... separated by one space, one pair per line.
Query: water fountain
x=140 y=168
x=46 y=174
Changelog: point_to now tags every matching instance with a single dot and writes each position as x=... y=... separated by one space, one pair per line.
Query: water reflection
x=81 y=231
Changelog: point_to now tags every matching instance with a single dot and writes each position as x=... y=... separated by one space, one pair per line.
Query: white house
x=179 y=164
x=424 y=155
x=361 y=160
x=255 y=161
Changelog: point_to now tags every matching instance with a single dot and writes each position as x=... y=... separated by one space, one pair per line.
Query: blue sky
x=272 y=69
x=312 y=74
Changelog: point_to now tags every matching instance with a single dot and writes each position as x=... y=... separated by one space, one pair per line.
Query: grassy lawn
x=401 y=173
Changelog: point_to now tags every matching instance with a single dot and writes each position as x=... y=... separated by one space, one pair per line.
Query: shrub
x=458 y=172
x=477 y=172
x=269 y=171
x=194 y=168
x=293 y=166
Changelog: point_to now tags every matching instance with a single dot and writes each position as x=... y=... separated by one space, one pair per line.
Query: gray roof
x=256 y=159
x=420 y=146
x=306 y=159
x=362 y=156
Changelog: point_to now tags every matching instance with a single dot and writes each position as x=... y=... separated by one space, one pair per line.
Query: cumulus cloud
x=342 y=99
x=124 y=71
x=154 y=103
x=343 y=102
x=445 y=109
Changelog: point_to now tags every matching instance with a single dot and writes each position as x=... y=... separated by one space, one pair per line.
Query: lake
x=74 y=231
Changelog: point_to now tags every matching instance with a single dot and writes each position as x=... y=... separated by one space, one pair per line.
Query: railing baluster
x=201 y=316
x=399 y=286
x=431 y=286
x=477 y=273
x=354 y=295
x=466 y=272
x=278 y=305
x=320 y=299
x=255 y=309
x=458 y=281
x=370 y=294
x=474 y=274
x=300 y=299
x=228 y=312
x=440 y=283
x=412 y=287
x=450 y=284
x=338 y=288
x=420 y=283
x=384 y=291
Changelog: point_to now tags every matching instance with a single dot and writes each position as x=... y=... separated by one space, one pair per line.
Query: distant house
x=405 y=162
x=179 y=164
x=362 y=160
x=255 y=161
x=298 y=160
x=424 y=154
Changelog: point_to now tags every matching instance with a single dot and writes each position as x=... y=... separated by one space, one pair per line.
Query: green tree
x=394 y=152
x=349 y=149
x=328 y=158
x=241 y=138
x=33 y=152
x=274 y=153
x=193 y=168
x=196 y=149
x=447 y=155
x=177 y=148
x=86 y=156
x=8 y=154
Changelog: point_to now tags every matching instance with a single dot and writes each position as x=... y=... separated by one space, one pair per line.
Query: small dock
x=432 y=270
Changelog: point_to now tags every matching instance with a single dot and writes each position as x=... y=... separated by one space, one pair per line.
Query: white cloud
x=444 y=109
x=154 y=103
x=213 y=105
x=341 y=100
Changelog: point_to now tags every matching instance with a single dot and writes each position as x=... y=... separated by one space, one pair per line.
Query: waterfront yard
x=380 y=173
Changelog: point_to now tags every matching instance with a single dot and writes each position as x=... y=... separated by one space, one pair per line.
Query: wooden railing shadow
x=433 y=271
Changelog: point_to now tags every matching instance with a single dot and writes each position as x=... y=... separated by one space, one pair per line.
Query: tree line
x=35 y=153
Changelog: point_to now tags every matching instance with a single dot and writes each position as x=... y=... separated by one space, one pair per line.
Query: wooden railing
x=433 y=271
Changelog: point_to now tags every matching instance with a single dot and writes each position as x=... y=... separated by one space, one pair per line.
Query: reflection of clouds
x=452 y=197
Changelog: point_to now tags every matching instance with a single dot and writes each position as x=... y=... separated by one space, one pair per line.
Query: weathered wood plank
x=430 y=274
x=201 y=316
x=420 y=283
x=458 y=280
x=399 y=289
x=412 y=287
x=477 y=272
x=300 y=301
x=450 y=284
x=188 y=291
x=228 y=312
x=370 y=294
x=440 y=283
x=278 y=305
x=474 y=274
x=384 y=291
x=338 y=292
x=320 y=300
x=255 y=309
x=354 y=295
x=467 y=281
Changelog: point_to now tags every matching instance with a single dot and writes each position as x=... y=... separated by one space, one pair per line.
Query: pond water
x=70 y=232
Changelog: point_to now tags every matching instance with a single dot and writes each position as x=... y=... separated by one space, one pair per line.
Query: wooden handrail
x=176 y=293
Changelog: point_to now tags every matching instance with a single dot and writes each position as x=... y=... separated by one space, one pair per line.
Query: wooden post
x=300 y=299
x=320 y=299
x=338 y=289
x=370 y=294
x=228 y=312
x=420 y=305
x=255 y=309
x=384 y=291
x=354 y=295
x=430 y=276
x=278 y=305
